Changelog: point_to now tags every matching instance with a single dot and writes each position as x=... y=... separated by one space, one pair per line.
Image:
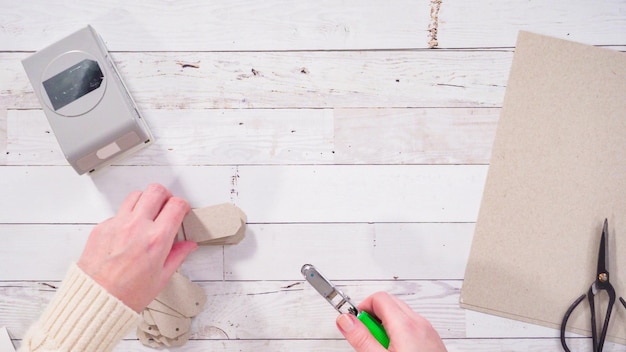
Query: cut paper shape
x=171 y=326
x=157 y=306
x=215 y=225
x=147 y=318
x=182 y=296
x=166 y=321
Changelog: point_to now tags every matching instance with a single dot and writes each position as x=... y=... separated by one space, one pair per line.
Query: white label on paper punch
x=108 y=151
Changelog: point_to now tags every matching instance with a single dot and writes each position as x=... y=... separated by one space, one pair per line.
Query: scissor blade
x=603 y=255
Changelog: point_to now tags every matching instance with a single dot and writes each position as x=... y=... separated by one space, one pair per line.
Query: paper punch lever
x=342 y=302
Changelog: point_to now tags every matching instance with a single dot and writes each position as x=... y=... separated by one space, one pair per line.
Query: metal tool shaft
x=328 y=290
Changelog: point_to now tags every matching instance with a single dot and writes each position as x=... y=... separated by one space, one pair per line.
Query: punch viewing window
x=73 y=83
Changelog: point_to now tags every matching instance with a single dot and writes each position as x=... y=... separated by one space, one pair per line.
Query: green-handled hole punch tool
x=342 y=302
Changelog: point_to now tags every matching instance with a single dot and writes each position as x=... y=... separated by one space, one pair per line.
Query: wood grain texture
x=3 y=137
x=268 y=194
x=414 y=136
x=221 y=25
x=361 y=193
x=326 y=79
x=493 y=23
x=388 y=251
x=197 y=137
x=382 y=251
x=309 y=25
x=283 y=136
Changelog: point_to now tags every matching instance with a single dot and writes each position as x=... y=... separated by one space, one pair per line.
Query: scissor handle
x=598 y=341
x=566 y=318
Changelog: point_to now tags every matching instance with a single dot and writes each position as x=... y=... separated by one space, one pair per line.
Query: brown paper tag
x=214 y=225
x=167 y=319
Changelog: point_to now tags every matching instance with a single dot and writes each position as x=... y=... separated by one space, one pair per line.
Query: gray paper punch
x=90 y=110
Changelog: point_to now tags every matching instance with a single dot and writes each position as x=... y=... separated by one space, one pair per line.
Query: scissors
x=601 y=283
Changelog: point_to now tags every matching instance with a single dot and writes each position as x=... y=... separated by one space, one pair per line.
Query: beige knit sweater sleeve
x=82 y=316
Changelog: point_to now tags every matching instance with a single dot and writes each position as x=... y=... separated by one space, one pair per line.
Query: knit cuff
x=82 y=316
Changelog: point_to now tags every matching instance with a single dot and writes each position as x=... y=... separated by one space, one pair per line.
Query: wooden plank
x=350 y=251
x=493 y=23
x=197 y=137
x=363 y=193
x=262 y=309
x=307 y=25
x=3 y=136
x=279 y=194
x=223 y=25
x=380 y=251
x=284 y=136
x=456 y=345
x=329 y=79
x=414 y=136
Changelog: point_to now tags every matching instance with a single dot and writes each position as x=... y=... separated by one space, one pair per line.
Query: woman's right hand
x=407 y=330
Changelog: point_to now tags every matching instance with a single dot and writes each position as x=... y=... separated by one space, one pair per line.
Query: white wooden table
x=349 y=142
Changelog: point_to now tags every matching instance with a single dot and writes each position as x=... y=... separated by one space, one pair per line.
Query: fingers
x=405 y=307
x=167 y=222
x=385 y=306
x=156 y=203
x=357 y=334
x=172 y=215
x=151 y=201
x=129 y=202
x=176 y=257
x=407 y=330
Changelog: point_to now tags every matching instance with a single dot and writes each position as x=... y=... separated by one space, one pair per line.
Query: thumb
x=357 y=334
x=178 y=253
